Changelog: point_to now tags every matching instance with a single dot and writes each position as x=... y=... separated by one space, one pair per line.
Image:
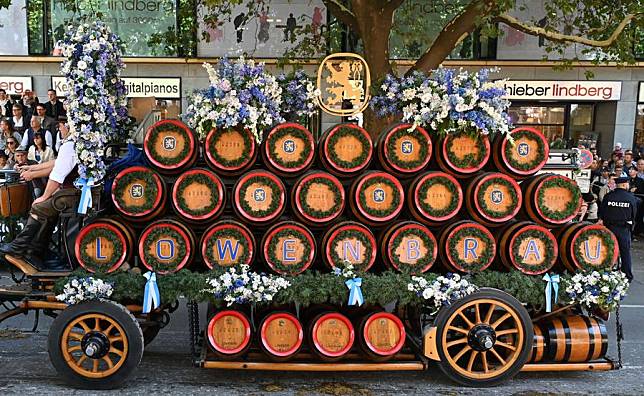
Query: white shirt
x=17 y=124
x=25 y=139
x=65 y=162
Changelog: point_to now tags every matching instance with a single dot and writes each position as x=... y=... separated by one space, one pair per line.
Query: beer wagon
x=348 y=212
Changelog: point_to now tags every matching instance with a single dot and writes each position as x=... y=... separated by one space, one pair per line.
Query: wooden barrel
x=551 y=200
x=289 y=248
x=382 y=335
x=138 y=194
x=587 y=246
x=331 y=336
x=104 y=245
x=527 y=247
x=170 y=146
x=463 y=154
x=574 y=339
x=317 y=198
x=434 y=198
x=349 y=242
x=229 y=333
x=404 y=150
x=15 y=199
x=166 y=246
x=538 y=345
x=198 y=195
x=345 y=149
x=289 y=149
x=227 y=243
x=493 y=198
x=408 y=247
x=466 y=246
x=231 y=151
x=523 y=157
x=259 y=197
x=376 y=198
x=281 y=335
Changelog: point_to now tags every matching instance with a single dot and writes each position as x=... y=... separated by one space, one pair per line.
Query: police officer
x=618 y=213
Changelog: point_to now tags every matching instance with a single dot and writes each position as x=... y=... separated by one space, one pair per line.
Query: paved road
x=25 y=367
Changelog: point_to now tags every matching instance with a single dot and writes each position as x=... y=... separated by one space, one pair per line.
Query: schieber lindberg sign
x=563 y=90
x=136 y=87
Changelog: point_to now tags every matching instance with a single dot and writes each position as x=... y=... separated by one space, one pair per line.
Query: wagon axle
x=481 y=337
x=95 y=345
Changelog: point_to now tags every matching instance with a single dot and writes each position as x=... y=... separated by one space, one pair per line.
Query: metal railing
x=148 y=121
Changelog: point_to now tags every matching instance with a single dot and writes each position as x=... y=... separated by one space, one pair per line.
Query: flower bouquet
x=597 y=290
x=241 y=286
x=78 y=290
x=299 y=95
x=442 y=291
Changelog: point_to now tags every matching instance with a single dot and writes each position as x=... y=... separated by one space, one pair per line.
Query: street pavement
x=166 y=367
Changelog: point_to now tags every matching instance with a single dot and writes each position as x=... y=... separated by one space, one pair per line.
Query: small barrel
x=166 y=246
x=170 y=146
x=376 y=198
x=138 y=194
x=231 y=151
x=551 y=200
x=289 y=149
x=345 y=149
x=198 y=196
x=404 y=150
x=281 y=335
x=259 y=197
x=317 y=198
x=227 y=243
x=229 y=333
x=574 y=339
x=523 y=157
x=466 y=246
x=463 y=154
x=104 y=245
x=289 y=248
x=382 y=335
x=434 y=198
x=587 y=246
x=493 y=198
x=409 y=247
x=527 y=247
x=331 y=336
x=538 y=345
x=349 y=242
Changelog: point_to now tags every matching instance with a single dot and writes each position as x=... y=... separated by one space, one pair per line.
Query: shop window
x=549 y=119
x=581 y=125
x=638 y=141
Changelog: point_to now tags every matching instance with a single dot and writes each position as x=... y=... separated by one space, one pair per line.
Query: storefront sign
x=160 y=88
x=15 y=85
x=563 y=90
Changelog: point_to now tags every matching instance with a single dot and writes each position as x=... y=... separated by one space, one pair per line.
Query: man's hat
x=62 y=118
x=21 y=149
x=620 y=180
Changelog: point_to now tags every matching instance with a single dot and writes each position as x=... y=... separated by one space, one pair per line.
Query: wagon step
x=32 y=271
x=316 y=366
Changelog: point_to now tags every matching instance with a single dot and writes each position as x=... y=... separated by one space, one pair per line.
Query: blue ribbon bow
x=552 y=284
x=86 y=194
x=355 y=293
x=151 y=296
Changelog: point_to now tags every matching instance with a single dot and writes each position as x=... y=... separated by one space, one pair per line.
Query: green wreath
x=571 y=207
x=149 y=195
x=94 y=234
x=469 y=160
x=297 y=133
x=320 y=214
x=420 y=263
x=393 y=152
x=480 y=196
x=346 y=131
x=549 y=253
x=279 y=266
x=227 y=234
x=395 y=201
x=484 y=258
x=275 y=196
x=242 y=159
x=451 y=187
x=525 y=166
x=198 y=178
x=180 y=249
x=610 y=245
x=172 y=128
x=346 y=234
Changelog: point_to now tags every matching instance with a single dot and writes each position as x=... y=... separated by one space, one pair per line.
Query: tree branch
x=566 y=38
x=392 y=5
x=342 y=13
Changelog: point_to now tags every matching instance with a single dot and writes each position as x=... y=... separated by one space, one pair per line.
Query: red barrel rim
x=211 y=176
x=355 y=227
x=239 y=316
x=486 y=142
x=535 y=199
x=431 y=176
x=283 y=226
x=100 y=224
x=227 y=225
x=478 y=226
x=535 y=227
x=399 y=324
x=477 y=204
x=174 y=227
x=275 y=179
x=216 y=164
x=343 y=319
x=546 y=146
x=363 y=132
x=293 y=319
x=587 y=227
x=157 y=181
x=407 y=226
x=310 y=143
x=386 y=148
x=319 y=174
x=146 y=141
x=392 y=179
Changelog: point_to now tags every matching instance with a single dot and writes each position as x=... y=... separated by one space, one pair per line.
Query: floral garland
x=549 y=256
x=165 y=233
x=97 y=97
x=360 y=159
x=77 y=290
x=243 y=158
x=451 y=187
x=603 y=290
x=484 y=258
x=610 y=246
x=93 y=235
x=395 y=199
x=442 y=291
x=497 y=214
x=151 y=191
x=241 y=286
x=156 y=134
x=469 y=160
x=320 y=214
x=571 y=206
x=348 y=234
x=393 y=150
x=228 y=233
x=297 y=133
x=524 y=166
x=420 y=263
x=299 y=95
x=277 y=263
x=275 y=196
x=198 y=178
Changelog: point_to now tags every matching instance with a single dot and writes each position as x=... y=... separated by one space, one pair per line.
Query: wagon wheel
x=484 y=338
x=95 y=345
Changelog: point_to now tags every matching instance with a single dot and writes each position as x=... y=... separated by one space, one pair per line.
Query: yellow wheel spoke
x=477 y=312
x=458 y=329
x=80 y=361
x=115 y=339
x=490 y=311
x=76 y=336
x=505 y=332
x=501 y=320
x=504 y=345
x=467 y=321
x=97 y=324
x=461 y=340
x=107 y=360
x=95 y=366
x=84 y=326
x=116 y=351
x=496 y=354
x=473 y=356
x=484 y=359
x=74 y=348
x=107 y=331
x=462 y=352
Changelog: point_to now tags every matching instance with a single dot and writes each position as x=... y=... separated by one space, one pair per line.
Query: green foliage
x=482 y=260
x=395 y=197
x=608 y=242
x=150 y=192
x=361 y=236
x=393 y=150
x=198 y=178
x=156 y=135
x=471 y=160
x=164 y=233
x=320 y=214
x=228 y=233
x=92 y=236
x=275 y=192
x=497 y=214
x=571 y=206
x=359 y=160
x=295 y=133
x=451 y=187
x=277 y=263
x=510 y=151
x=242 y=159
x=548 y=254
x=422 y=262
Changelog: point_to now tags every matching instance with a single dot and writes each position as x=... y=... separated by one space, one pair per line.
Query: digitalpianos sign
x=564 y=90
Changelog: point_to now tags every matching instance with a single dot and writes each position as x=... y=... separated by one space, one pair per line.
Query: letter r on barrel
x=469 y=248
x=165 y=249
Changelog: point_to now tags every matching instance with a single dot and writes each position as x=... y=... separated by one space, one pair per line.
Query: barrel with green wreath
x=404 y=150
x=198 y=196
x=104 y=245
x=527 y=247
x=466 y=246
x=587 y=246
x=317 y=198
x=522 y=154
x=138 y=194
x=351 y=243
x=230 y=151
x=289 y=248
x=376 y=198
x=408 y=247
x=463 y=154
x=227 y=243
x=259 y=197
x=289 y=149
x=345 y=149
x=434 y=198
x=170 y=146
x=166 y=246
x=493 y=198
x=551 y=200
